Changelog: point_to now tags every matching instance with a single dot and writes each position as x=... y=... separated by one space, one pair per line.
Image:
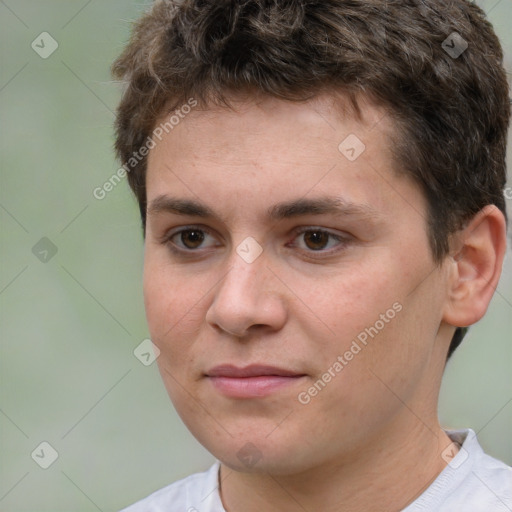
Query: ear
x=475 y=267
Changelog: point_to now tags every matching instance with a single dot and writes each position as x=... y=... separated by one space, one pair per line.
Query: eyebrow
x=285 y=210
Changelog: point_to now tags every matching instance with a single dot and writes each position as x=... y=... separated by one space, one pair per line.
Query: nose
x=249 y=298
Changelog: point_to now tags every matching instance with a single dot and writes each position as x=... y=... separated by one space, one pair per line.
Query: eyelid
x=166 y=239
x=342 y=239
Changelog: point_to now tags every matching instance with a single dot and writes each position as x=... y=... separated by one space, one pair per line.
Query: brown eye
x=316 y=240
x=189 y=240
x=192 y=238
x=320 y=242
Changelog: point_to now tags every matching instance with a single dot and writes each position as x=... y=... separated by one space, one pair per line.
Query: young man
x=321 y=190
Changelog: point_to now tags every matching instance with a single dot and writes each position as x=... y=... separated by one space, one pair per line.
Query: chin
x=258 y=454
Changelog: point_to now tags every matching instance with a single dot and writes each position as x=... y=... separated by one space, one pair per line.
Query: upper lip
x=254 y=370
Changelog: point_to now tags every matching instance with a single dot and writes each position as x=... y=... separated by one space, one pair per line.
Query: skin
x=300 y=304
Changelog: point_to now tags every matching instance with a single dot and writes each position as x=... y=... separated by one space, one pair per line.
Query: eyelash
x=344 y=240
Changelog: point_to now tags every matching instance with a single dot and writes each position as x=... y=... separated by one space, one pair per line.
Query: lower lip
x=251 y=387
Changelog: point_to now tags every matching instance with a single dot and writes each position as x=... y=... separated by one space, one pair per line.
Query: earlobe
x=476 y=263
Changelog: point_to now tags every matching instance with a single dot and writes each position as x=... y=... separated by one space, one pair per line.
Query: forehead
x=316 y=118
x=276 y=150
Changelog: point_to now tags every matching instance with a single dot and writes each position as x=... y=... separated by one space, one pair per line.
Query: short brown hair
x=451 y=108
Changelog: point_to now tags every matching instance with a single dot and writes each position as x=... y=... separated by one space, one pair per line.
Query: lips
x=254 y=370
x=254 y=381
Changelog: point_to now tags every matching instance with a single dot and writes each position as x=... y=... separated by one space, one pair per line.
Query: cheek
x=168 y=312
x=369 y=317
x=159 y=300
x=348 y=304
x=170 y=304
x=400 y=344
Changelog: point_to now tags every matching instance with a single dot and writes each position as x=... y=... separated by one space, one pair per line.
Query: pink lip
x=251 y=381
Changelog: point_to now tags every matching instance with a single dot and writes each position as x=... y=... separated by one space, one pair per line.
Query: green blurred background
x=69 y=326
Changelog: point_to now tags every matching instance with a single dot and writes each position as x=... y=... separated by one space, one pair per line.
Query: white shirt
x=472 y=482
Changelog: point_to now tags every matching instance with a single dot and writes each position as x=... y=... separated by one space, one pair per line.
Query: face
x=297 y=298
